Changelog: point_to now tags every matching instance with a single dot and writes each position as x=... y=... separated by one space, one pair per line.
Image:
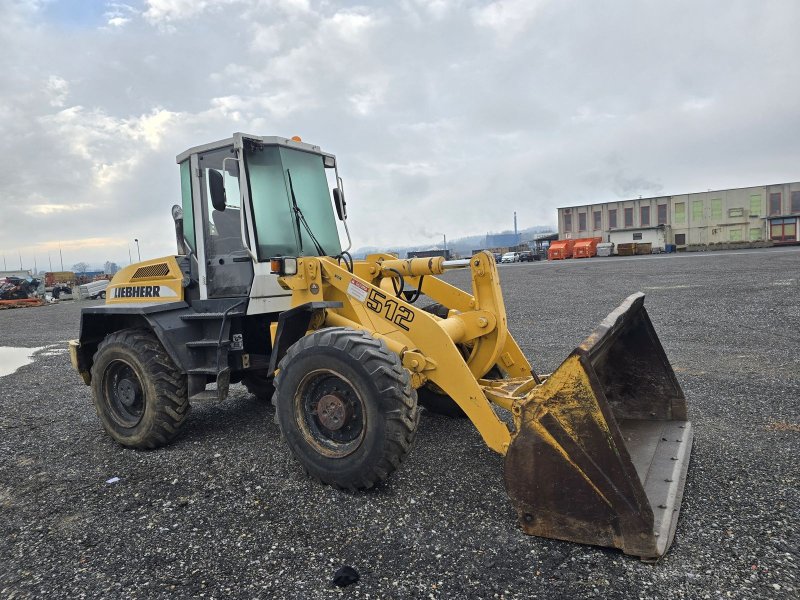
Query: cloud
x=446 y=115
x=508 y=18
x=113 y=147
x=160 y=11
x=58 y=90
x=49 y=209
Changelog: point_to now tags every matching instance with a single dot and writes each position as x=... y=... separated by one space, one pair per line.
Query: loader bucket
x=602 y=446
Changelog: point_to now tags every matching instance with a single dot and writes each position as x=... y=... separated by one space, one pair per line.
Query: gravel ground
x=225 y=510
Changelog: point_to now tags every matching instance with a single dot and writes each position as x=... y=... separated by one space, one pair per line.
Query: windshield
x=274 y=172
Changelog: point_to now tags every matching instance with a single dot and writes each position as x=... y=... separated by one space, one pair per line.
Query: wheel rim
x=330 y=413
x=123 y=392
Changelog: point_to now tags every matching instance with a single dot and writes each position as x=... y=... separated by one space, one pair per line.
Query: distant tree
x=80 y=267
x=110 y=268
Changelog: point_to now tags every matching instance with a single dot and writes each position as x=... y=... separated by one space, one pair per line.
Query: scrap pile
x=16 y=292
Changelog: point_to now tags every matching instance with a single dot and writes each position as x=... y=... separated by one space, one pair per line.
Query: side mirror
x=341 y=205
x=216 y=184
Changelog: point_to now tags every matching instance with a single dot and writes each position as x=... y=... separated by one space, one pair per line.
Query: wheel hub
x=330 y=413
x=123 y=393
x=126 y=391
x=333 y=412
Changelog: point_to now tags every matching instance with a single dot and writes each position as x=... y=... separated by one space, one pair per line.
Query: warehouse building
x=769 y=213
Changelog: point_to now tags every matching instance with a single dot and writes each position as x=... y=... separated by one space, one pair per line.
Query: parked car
x=527 y=256
x=510 y=257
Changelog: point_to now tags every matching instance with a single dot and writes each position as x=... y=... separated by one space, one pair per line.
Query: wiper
x=300 y=218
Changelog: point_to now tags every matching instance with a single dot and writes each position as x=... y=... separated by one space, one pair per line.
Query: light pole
x=137 y=249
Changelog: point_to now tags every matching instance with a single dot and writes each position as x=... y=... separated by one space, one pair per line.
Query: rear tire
x=431 y=396
x=138 y=392
x=434 y=400
x=346 y=407
x=260 y=383
x=439 y=403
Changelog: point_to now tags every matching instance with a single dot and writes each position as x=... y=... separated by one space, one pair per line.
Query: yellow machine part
x=424 y=341
x=598 y=452
x=155 y=280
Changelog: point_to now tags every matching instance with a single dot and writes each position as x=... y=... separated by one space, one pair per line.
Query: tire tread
x=391 y=379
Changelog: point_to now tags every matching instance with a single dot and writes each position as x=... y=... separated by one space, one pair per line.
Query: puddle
x=12 y=359
x=671 y=287
x=53 y=352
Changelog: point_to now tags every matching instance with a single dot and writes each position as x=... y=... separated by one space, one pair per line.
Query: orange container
x=560 y=249
x=586 y=247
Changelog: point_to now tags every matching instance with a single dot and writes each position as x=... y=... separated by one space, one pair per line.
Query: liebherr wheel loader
x=262 y=292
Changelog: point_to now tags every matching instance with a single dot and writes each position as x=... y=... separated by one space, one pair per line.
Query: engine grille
x=151 y=271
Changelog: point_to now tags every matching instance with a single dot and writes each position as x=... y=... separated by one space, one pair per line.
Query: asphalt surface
x=226 y=511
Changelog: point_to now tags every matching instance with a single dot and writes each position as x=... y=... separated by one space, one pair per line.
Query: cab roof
x=237 y=139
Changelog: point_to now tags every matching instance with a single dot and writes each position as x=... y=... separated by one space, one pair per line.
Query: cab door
x=228 y=266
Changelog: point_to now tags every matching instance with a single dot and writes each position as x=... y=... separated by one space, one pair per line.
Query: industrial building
x=767 y=213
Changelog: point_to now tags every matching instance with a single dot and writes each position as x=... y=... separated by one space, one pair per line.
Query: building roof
x=667 y=196
x=660 y=226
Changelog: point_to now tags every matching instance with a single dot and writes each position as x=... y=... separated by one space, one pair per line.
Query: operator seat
x=226 y=220
x=229 y=230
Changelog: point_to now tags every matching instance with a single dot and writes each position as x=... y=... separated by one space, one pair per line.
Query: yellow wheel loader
x=262 y=292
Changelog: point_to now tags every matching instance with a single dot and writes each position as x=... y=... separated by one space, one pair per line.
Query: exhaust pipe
x=177 y=216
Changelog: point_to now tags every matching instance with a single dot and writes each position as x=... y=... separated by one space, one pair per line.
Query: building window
x=697 y=210
x=796 y=202
x=680 y=239
x=755 y=234
x=628 y=217
x=581 y=221
x=735 y=235
x=775 y=203
x=662 y=214
x=567 y=222
x=612 y=218
x=645 y=215
x=637 y=236
x=735 y=212
x=716 y=208
x=680 y=212
x=598 y=219
x=783 y=230
x=755 y=205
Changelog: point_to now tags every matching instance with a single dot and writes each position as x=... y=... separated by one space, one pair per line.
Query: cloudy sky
x=446 y=115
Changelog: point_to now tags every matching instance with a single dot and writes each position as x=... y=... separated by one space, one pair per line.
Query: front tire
x=138 y=392
x=346 y=407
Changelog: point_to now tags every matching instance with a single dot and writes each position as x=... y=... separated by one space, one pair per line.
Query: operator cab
x=249 y=199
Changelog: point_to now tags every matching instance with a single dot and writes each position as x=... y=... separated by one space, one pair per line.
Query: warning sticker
x=358 y=290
